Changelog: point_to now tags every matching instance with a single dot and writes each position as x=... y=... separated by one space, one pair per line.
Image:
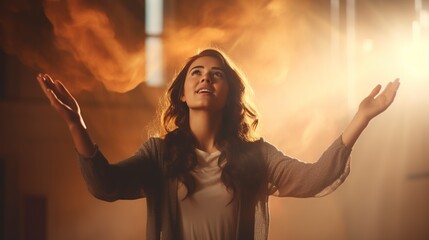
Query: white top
x=206 y=214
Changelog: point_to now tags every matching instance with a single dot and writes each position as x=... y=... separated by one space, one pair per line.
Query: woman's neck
x=205 y=126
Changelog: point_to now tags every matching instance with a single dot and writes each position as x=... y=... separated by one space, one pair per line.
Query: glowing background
x=309 y=62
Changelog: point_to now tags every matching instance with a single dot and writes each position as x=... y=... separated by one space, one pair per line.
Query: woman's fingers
x=53 y=99
x=47 y=89
x=66 y=97
x=49 y=81
x=61 y=88
x=58 y=102
x=390 y=90
x=46 y=82
x=60 y=93
x=42 y=82
x=64 y=110
x=60 y=98
x=394 y=86
x=54 y=87
x=375 y=91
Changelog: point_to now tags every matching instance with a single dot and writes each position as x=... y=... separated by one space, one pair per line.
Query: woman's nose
x=206 y=78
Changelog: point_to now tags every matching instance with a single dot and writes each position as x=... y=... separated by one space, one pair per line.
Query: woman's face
x=206 y=87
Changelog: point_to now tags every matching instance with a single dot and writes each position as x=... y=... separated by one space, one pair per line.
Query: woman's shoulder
x=153 y=146
x=155 y=140
x=259 y=143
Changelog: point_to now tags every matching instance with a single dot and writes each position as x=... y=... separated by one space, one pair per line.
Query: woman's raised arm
x=66 y=105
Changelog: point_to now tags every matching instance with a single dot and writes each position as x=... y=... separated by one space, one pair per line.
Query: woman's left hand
x=376 y=103
x=370 y=107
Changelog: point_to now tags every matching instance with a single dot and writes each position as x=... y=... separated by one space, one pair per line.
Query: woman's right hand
x=61 y=99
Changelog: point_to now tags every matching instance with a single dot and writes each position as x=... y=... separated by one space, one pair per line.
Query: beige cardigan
x=141 y=176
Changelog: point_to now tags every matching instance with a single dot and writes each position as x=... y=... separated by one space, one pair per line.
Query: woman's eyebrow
x=218 y=68
x=199 y=66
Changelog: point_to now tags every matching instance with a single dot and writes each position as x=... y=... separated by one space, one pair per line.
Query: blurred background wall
x=309 y=62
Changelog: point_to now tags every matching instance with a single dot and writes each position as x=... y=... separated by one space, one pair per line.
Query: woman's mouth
x=204 y=90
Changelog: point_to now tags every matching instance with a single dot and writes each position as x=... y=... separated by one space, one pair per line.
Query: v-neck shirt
x=208 y=213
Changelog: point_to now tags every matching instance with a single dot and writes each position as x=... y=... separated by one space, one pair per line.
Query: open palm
x=376 y=103
x=61 y=99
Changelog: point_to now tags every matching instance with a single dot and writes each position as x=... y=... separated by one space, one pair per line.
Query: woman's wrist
x=82 y=141
x=73 y=126
x=361 y=119
x=354 y=129
x=76 y=124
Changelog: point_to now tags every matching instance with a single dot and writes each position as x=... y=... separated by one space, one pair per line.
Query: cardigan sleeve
x=289 y=177
x=131 y=178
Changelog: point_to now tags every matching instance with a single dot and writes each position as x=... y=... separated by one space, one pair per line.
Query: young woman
x=209 y=176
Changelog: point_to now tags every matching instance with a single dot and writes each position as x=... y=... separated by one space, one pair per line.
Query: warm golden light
x=310 y=64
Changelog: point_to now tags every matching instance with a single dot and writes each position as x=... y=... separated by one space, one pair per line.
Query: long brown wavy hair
x=238 y=130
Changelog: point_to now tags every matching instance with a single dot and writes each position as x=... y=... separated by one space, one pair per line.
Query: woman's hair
x=238 y=127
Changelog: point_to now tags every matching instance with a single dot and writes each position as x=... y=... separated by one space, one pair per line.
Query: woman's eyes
x=196 y=72
x=214 y=74
x=218 y=74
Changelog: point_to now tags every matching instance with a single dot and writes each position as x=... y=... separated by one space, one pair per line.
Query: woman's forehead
x=207 y=61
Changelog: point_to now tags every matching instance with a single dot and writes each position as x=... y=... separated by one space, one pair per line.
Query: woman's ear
x=183 y=99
